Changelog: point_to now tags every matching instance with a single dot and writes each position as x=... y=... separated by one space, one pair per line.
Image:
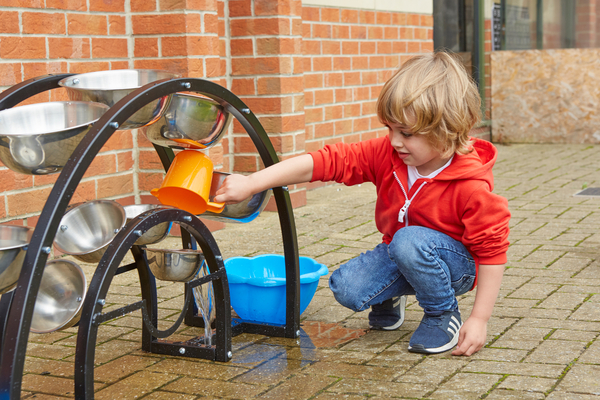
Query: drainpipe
x=478 y=55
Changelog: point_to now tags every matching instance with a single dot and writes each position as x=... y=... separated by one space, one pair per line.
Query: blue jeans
x=420 y=261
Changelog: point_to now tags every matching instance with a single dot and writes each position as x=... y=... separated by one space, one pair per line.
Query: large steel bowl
x=87 y=229
x=13 y=246
x=152 y=235
x=242 y=212
x=38 y=139
x=108 y=87
x=174 y=265
x=190 y=122
x=60 y=298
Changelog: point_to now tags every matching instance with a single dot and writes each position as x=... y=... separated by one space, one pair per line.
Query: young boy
x=444 y=231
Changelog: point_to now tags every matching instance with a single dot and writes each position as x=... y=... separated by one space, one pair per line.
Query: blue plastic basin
x=257 y=286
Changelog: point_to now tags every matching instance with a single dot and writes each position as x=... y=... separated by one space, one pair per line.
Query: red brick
x=145 y=47
x=243 y=86
x=85 y=24
x=367 y=17
x=313 y=81
x=330 y=14
x=240 y=8
x=68 y=47
x=321 y=31
x=10 y=180
x=322 y=63
x=334 y=79
x=377 y=62
x=245 y=164
x=241 y=47
x=107 y=5
x=158 y=24
x=399 y=47
x=331 y=47
x=109 y=48
x=22 y=3
x=22 y=47
x=280 y=7
x=149 y=180
x=312 y=115
x=259 y=26
x=176 y=65
x=116 y=25
x=399 y=19
x=323 y=96
x=384 y=47
x=9 y=22
x=260 y=65
x=282 y=124
x=28 y=202
x=340 y=32
x=343 y=95
x=358 y=32
x=413 y=47
x=323 y=130
x=333 y=112
x=211 y=23
x=120 y=140
x=115 y=185
x=350 y=47
x=125 y=161
x=243 y=144
x=265 y=105
x=368 y=47
x=280 y=85
x=43 y=23
x=102 y=164
x=360 y=62
x=391 y=33
x=75 y=5
x=375 y=32
x=10 y=74
x=213 y=67
x=142 y=5
x=311 y=13
x=342 y=63
x=268 y=46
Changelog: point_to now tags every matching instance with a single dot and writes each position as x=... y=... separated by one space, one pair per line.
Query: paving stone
x=581 y=379
x=556 y=352
x=465 y=386
x=504 y=394
x=527 y=383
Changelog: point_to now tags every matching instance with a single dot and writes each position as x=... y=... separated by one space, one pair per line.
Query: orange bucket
x=187 y=184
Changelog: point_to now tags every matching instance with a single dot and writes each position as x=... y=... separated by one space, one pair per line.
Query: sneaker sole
x=418 y=348
x=402 y=300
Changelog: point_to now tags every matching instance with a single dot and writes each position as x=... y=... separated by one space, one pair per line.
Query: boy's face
x=415 y=150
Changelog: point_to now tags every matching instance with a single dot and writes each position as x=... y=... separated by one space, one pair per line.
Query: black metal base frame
x=16 y=308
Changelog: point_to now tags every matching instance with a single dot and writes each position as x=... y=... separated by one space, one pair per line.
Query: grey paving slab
x=542 y=340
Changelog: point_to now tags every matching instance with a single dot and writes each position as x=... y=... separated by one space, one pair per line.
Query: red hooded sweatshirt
x=458 y=201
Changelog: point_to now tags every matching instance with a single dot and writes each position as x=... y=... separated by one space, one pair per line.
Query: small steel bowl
x=108 y=87
x=190 y=122
x=174 y=265
x=242 y=212
x=60 y=298
x=87 y=229
x=38 y=139
x=13 y=246
x=152 y=235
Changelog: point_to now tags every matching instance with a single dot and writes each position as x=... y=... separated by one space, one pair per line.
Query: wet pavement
x=543 y=338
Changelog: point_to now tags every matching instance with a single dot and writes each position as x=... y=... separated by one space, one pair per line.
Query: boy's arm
x=473 y=333
x=236 y=188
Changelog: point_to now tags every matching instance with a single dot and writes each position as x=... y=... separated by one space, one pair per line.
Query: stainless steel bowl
x=152 y=235
x=88 y=228
x=190 y=122
x=38 y=139
x=108 y=87
x=174 y=265
x=60 y=298
x=13 y=246
x=241 y=212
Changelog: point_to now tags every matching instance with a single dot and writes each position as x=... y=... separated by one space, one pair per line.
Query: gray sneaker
x=388 y=315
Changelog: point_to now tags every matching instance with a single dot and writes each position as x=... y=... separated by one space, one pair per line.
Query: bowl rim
x=309 y=277
x=82 y=273
x=29 y=231
x=86 y=203
x=176 y=251
x=63 y=82
x=88 y=103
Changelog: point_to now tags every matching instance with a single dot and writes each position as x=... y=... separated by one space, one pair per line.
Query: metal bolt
x=138 y=232
x=116 y=230
x=297 y=333
x=187 y=218
x=75 y=81
x=246 y=110
x=101 y=302
x=182 y=351
x=218 y=257
x=229 y=354
x=64 y=227
x=46 y=250
x=79 y=299
x=285 y=188
x=114 y=125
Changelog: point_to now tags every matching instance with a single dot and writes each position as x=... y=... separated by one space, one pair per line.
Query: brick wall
x=310 y=74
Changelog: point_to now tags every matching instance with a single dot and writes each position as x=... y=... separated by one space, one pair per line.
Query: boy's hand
x=472 y=337
x=235 y=188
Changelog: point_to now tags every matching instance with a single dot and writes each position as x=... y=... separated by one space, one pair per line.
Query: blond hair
x=432 y=94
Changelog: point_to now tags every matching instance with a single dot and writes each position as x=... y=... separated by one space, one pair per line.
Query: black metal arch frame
x=16 y=308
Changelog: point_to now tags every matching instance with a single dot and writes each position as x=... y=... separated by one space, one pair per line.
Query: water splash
x=204 y=297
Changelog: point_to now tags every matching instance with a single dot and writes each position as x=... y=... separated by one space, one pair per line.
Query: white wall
x=411 y=6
